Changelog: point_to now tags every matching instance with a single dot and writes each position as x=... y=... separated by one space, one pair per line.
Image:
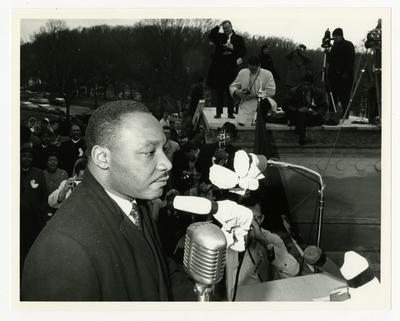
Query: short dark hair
x=230 y=128
x=226 y=21
x=102 y=125
x=253 y=61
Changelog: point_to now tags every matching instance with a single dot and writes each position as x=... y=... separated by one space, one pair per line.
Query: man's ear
x=101 y=156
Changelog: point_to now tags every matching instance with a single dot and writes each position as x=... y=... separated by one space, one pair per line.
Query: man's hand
x=241 y=93
x=69 y=184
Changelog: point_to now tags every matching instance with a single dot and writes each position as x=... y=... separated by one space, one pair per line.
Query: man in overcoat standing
x=229 y=52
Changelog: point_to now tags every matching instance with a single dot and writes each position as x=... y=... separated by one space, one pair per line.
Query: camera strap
x=254 y=80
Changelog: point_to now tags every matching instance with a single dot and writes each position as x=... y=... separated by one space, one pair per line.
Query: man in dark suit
x=72 y=149
x=103 y=245
x=42 y=151
x=340 y=61
x=229 y=52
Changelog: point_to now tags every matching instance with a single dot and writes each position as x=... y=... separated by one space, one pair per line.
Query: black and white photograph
x=237 y=157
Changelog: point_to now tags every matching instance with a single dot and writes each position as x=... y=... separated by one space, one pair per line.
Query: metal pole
x=321 y=190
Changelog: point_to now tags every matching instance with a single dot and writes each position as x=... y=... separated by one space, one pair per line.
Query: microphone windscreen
x=260 y=161
x=193 y=204
x=312 y=254
x=204 y=255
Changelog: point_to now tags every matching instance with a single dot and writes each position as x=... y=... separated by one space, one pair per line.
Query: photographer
x=66 y=187
x=340 y=61
x=229 y=52
x=184 y=170
x=298 y=66
x=251 y=84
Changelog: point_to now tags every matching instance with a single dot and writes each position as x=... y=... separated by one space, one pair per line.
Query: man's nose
x=164 y=162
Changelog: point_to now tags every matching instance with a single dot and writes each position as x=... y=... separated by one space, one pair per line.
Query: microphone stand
x=203 y=292
x=320 y=190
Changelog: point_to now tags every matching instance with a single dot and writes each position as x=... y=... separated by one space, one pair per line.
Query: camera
x=374 y=39
x=326 y=40
x=221 y=139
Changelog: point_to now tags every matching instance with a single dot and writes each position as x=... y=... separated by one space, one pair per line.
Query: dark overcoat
x=223 y=68
x=90 y=250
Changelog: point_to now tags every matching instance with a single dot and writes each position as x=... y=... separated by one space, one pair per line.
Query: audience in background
x=33 y=201
x=72 y=149
x=42 y=151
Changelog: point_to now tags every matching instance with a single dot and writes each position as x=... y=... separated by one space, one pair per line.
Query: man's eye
x=149 y=152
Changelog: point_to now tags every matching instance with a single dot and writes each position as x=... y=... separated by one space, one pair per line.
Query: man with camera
x=340 y=59
x=229 y=52
x=251 y=84
x=298 y=65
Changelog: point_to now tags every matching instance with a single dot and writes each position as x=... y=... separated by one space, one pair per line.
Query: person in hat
x=298 y=65
x=340 y=74
x=305 y=105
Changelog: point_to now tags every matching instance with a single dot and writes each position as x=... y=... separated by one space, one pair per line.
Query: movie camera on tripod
x=374 y=38
x=326 y=40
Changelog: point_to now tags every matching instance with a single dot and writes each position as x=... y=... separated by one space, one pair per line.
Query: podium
x=301 y=288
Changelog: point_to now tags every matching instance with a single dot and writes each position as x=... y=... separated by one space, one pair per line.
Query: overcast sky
x=302 y=25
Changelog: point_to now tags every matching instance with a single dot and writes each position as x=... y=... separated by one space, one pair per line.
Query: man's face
x=26 y=160
x=253 y=68
x=52 y=163
x=227 y=28
x=45 y=139
x=138 y=167
x=75 y=132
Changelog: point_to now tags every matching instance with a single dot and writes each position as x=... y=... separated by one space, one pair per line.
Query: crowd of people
x=96 y=213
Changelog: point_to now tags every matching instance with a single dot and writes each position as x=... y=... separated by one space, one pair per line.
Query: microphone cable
x=240 y=257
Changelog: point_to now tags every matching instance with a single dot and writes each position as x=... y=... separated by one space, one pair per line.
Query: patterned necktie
x=134 y=215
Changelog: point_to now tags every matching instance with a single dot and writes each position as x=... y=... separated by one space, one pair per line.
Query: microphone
x=235 y=218
x=249 y=164
x=314 y=256
x=204 y=257
x=195 y=205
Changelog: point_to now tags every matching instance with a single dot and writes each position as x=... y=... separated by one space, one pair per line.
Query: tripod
x=326 y=82
x=371 y=64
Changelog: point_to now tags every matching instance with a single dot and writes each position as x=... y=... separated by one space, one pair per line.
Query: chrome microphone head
x=204 y=256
